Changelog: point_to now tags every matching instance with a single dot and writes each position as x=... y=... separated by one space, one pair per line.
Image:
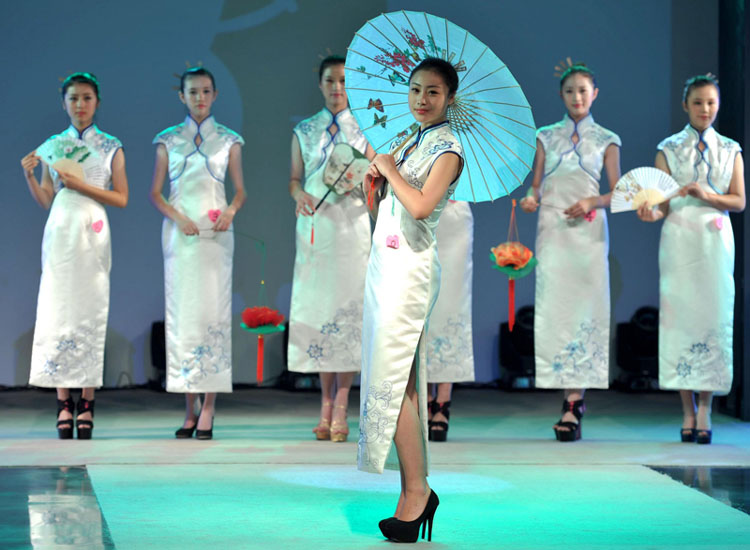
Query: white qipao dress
x=198 y=269
x=325 y=320
x=403 y=280
x=571 y=311
x=73 y=305
x=696 y=263
x=450 y=350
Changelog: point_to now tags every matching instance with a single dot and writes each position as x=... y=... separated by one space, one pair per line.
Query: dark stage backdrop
x=263 y=54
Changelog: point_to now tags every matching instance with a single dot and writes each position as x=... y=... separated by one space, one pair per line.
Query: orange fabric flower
x=512 y=254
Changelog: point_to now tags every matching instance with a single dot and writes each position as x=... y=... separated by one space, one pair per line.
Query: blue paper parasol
x=490 y=116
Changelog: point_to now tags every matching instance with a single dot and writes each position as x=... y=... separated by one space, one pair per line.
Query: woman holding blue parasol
x=404 y=57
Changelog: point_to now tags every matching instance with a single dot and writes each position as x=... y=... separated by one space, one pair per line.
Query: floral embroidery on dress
x=451 y=349
x=705 y=361
x=582 y=356
x=374 y=412
x=340 y=338
x=212 y=356
x=74 y=357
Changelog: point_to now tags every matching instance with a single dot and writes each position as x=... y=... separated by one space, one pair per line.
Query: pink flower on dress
x=719 y=222
x=591 y=216
x=391 y=241
x=213 y=215
x=97 y=226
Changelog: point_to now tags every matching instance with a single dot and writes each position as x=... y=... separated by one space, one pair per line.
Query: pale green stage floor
x=263 y=482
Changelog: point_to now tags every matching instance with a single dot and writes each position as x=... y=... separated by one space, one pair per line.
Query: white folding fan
x=644 y=184
x=72 y=155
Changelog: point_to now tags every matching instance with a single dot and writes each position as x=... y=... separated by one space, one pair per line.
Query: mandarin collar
x=205 y=128
x=696 y=136
x=341 y=114
x=582 y=125
x=74 y=132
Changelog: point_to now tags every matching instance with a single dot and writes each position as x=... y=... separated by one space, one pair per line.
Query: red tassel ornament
x=261 y=320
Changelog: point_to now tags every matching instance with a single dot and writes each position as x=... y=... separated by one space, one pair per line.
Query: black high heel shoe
x=687 y=435
x=573 y=429
x=439 y=429
x=702 y=437
x=85 y=427
x=408 y=531
x=204 y=434
x=65 y=427
x=186 y=433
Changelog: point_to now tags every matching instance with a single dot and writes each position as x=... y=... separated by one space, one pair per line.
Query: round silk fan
x=642 y=185
x=345 y=169
x=71 y=155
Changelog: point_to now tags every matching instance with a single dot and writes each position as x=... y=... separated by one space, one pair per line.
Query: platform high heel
x=702 y=437
x=573 y=429
x=85 y=427
x=339 y=429
x=408 y=531
x=65 y=427
x=438 y=428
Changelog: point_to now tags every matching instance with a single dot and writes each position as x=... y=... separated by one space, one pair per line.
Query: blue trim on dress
x=417 y=141
x=703 y=159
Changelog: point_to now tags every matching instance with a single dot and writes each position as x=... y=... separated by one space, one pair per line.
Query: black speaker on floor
x=517 y=351
x=158 y=356
x=637 y=350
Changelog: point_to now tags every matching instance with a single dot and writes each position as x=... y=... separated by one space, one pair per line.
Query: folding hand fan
x=72 y=155
x=644 y=184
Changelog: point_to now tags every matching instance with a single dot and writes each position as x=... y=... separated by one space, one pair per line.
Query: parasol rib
x=414 y=30
x=463 y=48
x=402 y=75
x=504 y=145
x=477 y=108
x=476 y=61
x=468 y=170
x=485 y=76
x=481 y=171
x=507 y=192
x=376 y=90
x=406 y=40
x=432 y=34
x=383 y=34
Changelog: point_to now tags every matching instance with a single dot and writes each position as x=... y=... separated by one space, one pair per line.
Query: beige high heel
x=323 y=430
x=340 y=430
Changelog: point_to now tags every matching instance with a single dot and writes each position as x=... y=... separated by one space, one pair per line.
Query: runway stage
x=263 y=482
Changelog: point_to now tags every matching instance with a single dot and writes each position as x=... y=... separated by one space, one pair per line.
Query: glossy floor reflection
x=50 y=509
x=728 y=485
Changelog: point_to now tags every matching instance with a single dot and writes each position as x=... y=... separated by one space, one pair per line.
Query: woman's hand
x=694 y=190
x=650 y=214
x=70 y=180
x=385 y=164
x=529 y=204
x=373 y=179
x=581 y=208
x=29 y=162
x=305 y=204
x=225 y=219
x=188 y=226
